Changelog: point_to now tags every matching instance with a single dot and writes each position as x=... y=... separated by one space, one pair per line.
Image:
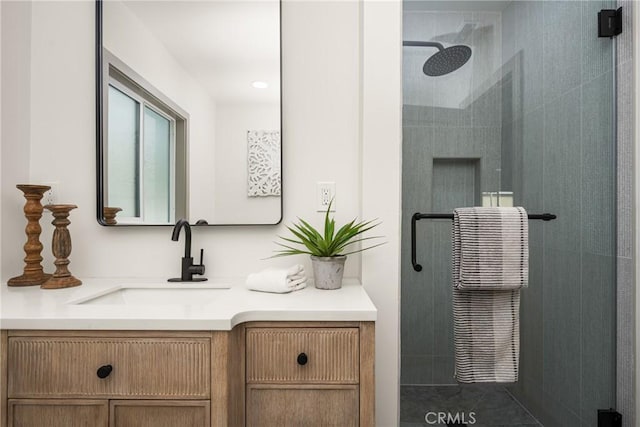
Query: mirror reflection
x=190 y=112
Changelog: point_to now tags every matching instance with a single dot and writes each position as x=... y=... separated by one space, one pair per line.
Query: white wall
x=231 y=203
x=320 y=138
x=0 y=137
x=381 y=188
x=16 y=131
x=341 y=109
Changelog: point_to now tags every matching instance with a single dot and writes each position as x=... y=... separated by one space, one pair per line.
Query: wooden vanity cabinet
x=103 y=413
x=259 y=374
x=309 y=374
x=115 y=379
x=58 y=413
x=158 y=413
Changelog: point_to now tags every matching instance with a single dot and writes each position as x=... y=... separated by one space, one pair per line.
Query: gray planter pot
x=328 y=271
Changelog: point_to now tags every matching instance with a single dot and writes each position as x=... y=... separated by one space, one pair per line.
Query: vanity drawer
x=302 y=405
x=275 y=355
x=156 y=368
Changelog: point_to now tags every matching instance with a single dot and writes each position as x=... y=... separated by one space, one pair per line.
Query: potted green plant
x=328 y=249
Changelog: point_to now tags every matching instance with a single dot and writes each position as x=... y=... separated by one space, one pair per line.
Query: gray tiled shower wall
x=448 y=162
x=543 y=131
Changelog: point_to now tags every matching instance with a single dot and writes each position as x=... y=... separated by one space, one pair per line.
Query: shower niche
x=455 y=182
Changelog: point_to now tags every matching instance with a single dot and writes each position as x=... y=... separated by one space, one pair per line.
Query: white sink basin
x=154 y=294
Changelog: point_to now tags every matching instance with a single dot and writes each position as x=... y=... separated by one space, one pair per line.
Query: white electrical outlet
x=326 y=192
x=50 y=196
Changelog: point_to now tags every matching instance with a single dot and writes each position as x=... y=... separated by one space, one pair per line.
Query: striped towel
x=486 y=295
x=490 y=248
x=486 y=328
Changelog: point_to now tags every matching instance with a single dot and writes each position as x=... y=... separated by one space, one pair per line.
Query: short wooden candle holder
x=61 y=247
x=110 y=215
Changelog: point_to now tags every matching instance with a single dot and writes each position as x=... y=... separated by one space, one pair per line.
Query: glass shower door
x=526 y=121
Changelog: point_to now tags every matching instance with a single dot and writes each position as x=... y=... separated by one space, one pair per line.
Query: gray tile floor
x=487 y=405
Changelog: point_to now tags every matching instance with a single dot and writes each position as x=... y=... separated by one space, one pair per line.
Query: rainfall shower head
x=446 y=60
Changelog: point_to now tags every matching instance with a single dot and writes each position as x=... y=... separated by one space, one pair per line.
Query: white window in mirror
x=141 y=149
x=263 y=163
x=123 y=148
x=157 y=153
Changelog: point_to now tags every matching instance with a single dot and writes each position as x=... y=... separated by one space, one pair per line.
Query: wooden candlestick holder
x=33 y=273
x=110 y=215
x=61 y=247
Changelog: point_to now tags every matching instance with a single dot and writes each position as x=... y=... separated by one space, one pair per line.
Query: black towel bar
x=418 y=216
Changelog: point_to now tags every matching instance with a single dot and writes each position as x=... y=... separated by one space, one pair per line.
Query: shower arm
x=423 y=44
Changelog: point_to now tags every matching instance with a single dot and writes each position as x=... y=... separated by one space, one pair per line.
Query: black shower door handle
x=418 y=216
x=417 y=267
x=414 y=218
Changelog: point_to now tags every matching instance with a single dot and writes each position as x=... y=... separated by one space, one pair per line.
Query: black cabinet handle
x=302 y=359
x=104 y=371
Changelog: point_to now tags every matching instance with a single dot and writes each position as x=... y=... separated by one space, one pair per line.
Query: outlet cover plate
x=50 y=197
x=325 y=193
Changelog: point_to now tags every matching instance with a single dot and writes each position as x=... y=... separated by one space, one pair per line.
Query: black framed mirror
x=189 y=112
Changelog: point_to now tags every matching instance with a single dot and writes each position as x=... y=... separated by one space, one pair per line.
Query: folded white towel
x=278 y=280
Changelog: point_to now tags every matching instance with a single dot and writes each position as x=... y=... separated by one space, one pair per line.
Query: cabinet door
x=302 y=406
x=57 y=413
x=159 y=413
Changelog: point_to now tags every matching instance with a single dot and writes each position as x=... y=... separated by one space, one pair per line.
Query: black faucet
x=188 y=268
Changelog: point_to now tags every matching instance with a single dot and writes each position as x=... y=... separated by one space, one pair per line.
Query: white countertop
x=35 y=308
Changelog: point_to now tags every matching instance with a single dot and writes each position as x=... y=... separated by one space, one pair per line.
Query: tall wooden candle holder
x=61 y=247
x=33 y=273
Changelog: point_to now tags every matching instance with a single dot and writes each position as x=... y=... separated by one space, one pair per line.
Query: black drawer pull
x=104 y=371
x=302 y=359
